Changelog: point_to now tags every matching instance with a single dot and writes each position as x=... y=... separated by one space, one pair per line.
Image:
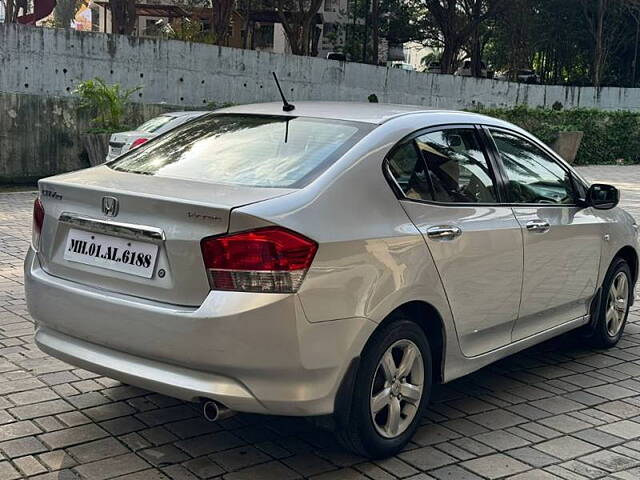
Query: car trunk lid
x=158 y=216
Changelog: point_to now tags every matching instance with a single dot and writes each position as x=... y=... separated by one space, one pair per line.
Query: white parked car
x=333 y=261
x=122 y=142
x=402 y=66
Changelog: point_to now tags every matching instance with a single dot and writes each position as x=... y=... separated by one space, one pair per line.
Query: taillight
x=268 y=260
x=38 y=220
x=137 y=142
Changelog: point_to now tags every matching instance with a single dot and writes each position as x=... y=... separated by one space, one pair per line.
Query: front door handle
x=538 y=226
x=444 y=232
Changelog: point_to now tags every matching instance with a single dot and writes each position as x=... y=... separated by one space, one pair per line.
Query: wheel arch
x=428 y=318
x=430 y=321
x=630 y=255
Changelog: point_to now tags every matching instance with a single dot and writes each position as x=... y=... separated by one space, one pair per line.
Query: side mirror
x=603 y=196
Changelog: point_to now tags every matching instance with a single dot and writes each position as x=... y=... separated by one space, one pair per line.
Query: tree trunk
x=375 y=32
x=97 y=146
x=367 y=16
x=635 y=53
x=598 y=53
x=123 y=16
x=449 y=56
x=65 y=12
x=298 y=25
x=221 y=16
x=476 y=50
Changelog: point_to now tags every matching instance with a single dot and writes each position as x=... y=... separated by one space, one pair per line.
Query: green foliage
x=106 y=103
x=191 y=30
x=609 y=137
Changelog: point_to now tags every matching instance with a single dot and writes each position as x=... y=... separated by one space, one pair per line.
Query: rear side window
x=407 y=168
x=251 y=150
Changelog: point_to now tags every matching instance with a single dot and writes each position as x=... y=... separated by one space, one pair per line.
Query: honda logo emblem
x=110 y=206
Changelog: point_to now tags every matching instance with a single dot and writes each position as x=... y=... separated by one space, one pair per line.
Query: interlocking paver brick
x=52 y=407
x=610 y=461
x=97 y=450
x=267 y=471
x=8 y=471
x=17 y=430
x=29 y=466
x=427 y=458
x=22 y=446
x=566 y=448
x=112 y=467
x=72 y=436
x=495 y=466
x=243 y=457
x=625 y=429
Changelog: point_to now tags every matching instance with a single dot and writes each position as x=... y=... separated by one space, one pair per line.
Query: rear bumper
x=251 y=352
x=159 y=377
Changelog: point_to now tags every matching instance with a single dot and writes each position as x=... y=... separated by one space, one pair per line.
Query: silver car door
x=562 y=241
x=451 y=195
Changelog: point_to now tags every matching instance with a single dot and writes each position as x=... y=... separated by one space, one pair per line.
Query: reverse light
x=137 y=142
x=266 y=260
x=38 y=220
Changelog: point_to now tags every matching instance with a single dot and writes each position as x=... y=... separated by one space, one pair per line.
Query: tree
x=297 y=18
x=123 y=16
x=65 y=12
x=221 y=11
x=14 y=8
x=604 y=28
x=451 y=23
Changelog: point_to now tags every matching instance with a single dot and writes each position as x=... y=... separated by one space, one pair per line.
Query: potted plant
x=107 y=105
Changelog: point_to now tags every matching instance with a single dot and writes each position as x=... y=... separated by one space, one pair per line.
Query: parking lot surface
x=556 y=411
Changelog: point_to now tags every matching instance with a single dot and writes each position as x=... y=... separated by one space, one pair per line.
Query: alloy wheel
x=617 y=303
x=397 y=388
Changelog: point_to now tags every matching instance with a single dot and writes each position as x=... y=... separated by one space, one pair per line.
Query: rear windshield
x=252 y=150
x=154 y=124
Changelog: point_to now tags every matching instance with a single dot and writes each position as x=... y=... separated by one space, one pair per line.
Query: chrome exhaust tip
x=214 y=411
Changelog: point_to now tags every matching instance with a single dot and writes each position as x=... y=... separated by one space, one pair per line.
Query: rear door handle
x=538 y=226
x=444 y=232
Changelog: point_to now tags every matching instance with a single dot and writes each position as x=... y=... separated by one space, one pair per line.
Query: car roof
x=375 y=113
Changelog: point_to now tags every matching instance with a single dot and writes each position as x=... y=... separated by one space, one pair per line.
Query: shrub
x=106 y=103
x=609 y=137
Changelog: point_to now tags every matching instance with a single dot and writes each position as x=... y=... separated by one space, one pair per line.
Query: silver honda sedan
x=333 y=260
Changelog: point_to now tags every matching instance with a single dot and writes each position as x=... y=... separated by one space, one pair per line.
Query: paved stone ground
x=554 y=411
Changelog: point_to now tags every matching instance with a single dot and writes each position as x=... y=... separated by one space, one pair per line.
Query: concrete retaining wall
x=40 y=136
x=45 y=61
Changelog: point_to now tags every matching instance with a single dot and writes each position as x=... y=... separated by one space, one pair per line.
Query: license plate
x=115 y=151
x=113 y=253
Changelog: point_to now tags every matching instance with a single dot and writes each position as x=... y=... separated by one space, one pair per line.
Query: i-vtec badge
x=206 y=218
x=110 y=206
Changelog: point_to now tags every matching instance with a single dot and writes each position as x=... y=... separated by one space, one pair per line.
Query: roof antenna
x=286 y=106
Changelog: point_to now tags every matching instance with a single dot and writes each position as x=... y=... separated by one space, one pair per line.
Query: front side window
x=533 y=176
x=250 y=150
x=458 y=168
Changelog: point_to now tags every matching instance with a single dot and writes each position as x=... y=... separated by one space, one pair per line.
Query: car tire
x=613 y=308
x=385 y=433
